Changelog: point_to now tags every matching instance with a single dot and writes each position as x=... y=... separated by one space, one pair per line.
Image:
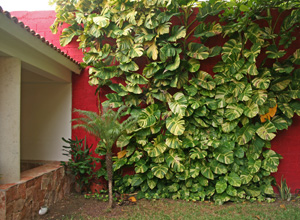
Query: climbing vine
x=199 y=135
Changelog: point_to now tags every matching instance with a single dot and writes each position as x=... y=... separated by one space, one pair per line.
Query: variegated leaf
x=231 y=51
x=175 y=125
x=266 y=131
x=160 y=171
x=178 y=104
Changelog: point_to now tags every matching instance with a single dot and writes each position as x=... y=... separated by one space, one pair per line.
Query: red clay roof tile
x=37 y=35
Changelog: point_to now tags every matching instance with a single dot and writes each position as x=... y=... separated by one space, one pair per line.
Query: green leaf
x=245 y=134
x=254 y=165
x=224 y=155
x=285 y=67
x=157 y=148
x=136 y=157
x=233 y=112
x=101 y=21
x=215 y=51
x=221 y=186
x=274 y=53
x=229 y=126
x=244 y=8
x=280 y=84
x=130 y=149
x=253 y=191
x=221 y=198
x=123 y=140
x=136 y=78
x=268 y=189
x=114 y=100
x=206 y=172
x=174 y=187
x=137 y=180
x=151 y=69
x=104 y=73
x=149 y=116
x=231 y=51
x=173 y=160
x=231 y=191
x=198 y=51
x=204 y=31
x=179 y=80
x=204 y=80
x=261 y=83
x=175 y=125
x=246 y=177
x=163 y=28
x=159 y=159
x=152 y=51
x=252 y=70
x=246 y=94
x=67 y=36
x=175 y=65
x=152 y=183
x=135 y=89
x=173 y=142
x=260 y=96
x=178 y=104
x=177 y=33
x=280 y=123
x=296 y=57
x=211 y=103
x=160 y=171
x=252 y=53
x=265 y=131
x=286 y=109
x=192 y=91
x=271 y=161
x=234 y=179
x=119 y=163
x=237 y=66
x=218 y=168
x=239 y=152
x=168 y=50
x=194 y=171
x=118 y=89
x=131 y=66
x=251 y=109
x=141 y=167
x=197 y=153
x=193 y=65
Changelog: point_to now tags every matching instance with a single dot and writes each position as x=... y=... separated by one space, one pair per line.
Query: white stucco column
x=10 y=102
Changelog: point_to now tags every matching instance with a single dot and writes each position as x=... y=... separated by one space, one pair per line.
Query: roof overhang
x=35 y=55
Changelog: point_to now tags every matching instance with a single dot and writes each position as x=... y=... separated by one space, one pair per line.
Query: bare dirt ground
x=76 y=204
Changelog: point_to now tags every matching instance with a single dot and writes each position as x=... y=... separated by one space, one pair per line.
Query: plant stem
x=109 y=170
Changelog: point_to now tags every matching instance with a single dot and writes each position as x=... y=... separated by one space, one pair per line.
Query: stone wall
x=41 y=186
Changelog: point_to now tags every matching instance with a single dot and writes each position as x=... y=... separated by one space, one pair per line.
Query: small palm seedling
x=284 y=190
x=108 y=128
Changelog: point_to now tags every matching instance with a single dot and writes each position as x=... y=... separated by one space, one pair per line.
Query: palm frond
x=106 y=126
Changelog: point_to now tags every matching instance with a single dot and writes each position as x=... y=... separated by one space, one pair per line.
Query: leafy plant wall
x=199 y=135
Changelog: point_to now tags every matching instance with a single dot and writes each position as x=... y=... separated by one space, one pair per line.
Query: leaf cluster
x=198 y=136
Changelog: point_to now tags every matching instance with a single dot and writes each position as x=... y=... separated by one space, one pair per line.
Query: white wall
x=45 y=119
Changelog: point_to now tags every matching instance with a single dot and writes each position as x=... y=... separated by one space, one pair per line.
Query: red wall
x=286 y=143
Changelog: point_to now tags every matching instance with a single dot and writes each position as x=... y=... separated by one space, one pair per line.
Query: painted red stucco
x=286 y=143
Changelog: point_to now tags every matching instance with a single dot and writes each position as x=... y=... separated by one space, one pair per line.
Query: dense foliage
x=199 y=135
x=81 y=164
